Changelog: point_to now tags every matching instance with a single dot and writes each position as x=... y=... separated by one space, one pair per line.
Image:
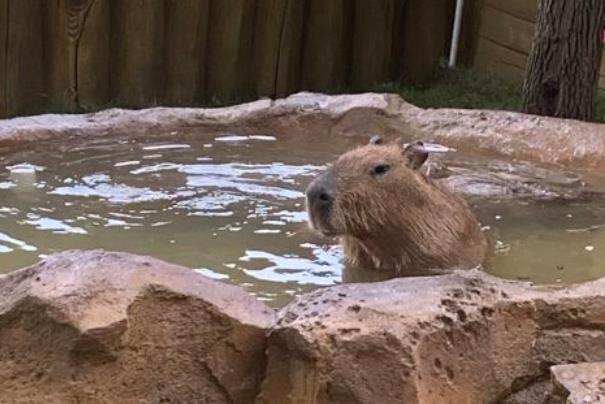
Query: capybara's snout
x=319 y=193
x=320 y=200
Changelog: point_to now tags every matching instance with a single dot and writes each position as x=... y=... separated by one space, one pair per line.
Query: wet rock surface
x=505 y=181
x=581 y=383
x=98 y=327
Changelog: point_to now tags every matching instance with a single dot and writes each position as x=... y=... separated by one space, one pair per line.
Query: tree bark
x=563 y=68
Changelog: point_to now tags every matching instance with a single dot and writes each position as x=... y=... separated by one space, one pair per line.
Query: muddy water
x=232 y=207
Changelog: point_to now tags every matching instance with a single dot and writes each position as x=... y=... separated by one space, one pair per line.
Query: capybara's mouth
x=328 y=233
x=320 y=224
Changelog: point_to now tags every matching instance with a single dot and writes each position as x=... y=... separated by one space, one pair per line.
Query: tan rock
x=460 y=338
x=97 y=327
x=493 y=133
x=512 y=134
x=582 y=383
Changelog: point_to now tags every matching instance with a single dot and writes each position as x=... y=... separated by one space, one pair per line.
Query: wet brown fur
x=401 y=222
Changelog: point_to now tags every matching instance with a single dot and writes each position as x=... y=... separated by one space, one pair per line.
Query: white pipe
x=456 y=33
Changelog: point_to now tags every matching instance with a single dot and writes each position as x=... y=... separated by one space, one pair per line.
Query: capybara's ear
x=415 y=154
x=376 y=140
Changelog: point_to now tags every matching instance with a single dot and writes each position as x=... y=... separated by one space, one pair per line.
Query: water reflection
x=235 y=214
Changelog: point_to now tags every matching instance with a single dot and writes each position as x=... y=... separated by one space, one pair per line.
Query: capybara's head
x=367 y=189
x=389 y=215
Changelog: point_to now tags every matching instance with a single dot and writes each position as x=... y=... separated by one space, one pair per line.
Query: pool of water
x=232 y=207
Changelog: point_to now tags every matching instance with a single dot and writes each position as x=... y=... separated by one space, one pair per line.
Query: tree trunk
x=563 y=67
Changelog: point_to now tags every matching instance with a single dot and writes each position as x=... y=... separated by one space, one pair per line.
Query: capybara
x=390 y=217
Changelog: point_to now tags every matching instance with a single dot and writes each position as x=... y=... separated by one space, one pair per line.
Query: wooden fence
x=505 y=38
x=86 y=54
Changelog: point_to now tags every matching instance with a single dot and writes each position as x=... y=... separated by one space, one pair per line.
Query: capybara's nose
x=319 y=195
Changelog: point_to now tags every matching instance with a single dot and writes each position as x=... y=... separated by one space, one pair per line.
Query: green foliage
x=460 y=88
x=466 y=88
x=225 y=101
x=599 y=113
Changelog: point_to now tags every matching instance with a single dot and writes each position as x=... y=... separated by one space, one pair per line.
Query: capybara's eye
x=380 y=169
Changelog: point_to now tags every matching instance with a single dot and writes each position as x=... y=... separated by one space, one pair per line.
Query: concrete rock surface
x=102 y=327
x=460 y=338
x=582 y=383
x=99 y=327
x=494 y=133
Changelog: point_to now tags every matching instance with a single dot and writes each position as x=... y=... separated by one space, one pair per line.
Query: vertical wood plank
x=186 y=29
x=396 y=42
x=469 y=34
x=374 y=22
x=204 y=29
x=93 y=58
x=137 y=42
x=247 y=82
x=326 y=45
x=3 y=54
x=230 y=46
x=59 y=50
x=26 y=67
x=290 y=49
x=425 y=39
x=270 y=20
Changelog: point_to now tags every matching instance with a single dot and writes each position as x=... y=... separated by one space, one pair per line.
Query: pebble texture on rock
x=460 y=338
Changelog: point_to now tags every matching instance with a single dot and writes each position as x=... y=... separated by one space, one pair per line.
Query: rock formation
x=491 y=133
x=100 y=327
x=97 y=327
